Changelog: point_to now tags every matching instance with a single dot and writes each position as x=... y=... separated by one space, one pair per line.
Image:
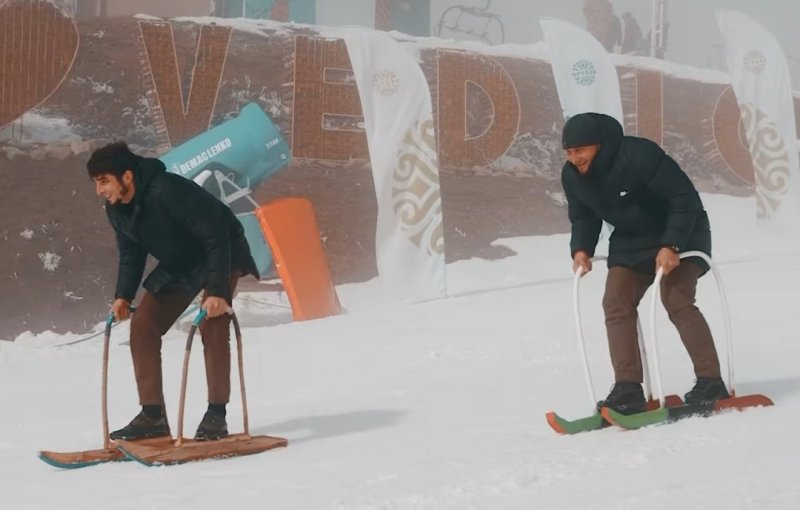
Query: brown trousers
x=154 y=316
x=625 y=289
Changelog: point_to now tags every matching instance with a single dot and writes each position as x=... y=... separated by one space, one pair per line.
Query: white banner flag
x=398 y=118
x=760 y=79
x=586 y=78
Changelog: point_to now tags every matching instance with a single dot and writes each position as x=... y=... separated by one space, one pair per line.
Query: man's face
x=582 y=156
x=115 y=190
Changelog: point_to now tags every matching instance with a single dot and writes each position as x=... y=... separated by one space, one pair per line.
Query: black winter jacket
x=643 y=193
x=196 y=239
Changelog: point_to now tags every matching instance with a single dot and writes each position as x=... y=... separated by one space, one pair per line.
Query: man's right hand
x=583 y=261
x=121 y=309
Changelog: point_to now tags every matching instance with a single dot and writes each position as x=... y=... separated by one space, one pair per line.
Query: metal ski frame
x=667 y=412
x=582 y=343
x=727 y=339
x=594 y=420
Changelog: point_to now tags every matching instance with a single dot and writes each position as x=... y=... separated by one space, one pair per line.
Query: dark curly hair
x=114 y=159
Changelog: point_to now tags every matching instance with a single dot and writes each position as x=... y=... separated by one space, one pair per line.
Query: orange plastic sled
x=291 y=230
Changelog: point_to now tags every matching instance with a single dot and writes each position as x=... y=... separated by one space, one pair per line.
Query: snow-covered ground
x=434 y=406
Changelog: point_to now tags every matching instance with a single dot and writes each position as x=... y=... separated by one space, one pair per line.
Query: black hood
x=589 y=129
x=148 y=169
x=143 y=175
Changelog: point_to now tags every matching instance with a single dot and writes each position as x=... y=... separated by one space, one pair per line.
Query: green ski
x=597 y=421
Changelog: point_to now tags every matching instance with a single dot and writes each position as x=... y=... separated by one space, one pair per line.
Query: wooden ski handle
x=185 y=373
x=104 y=383
x=238 y=332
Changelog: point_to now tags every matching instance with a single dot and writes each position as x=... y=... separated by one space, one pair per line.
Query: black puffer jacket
x=643 y=193
x=196 y=239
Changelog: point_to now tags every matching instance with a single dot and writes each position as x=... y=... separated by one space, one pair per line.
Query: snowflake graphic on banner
x=755 y=61
x=386 y=82
x=584 y=72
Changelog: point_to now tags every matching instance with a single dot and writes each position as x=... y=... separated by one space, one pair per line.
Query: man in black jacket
x=656 y=212
x=200 y=245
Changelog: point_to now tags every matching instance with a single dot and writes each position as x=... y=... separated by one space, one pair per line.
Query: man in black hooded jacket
x=656 y=212
x=200 y=245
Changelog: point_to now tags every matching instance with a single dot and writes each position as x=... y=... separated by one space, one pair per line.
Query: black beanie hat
x=580 y=130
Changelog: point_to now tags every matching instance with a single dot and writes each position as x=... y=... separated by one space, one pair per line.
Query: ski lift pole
x=659 y=12
x=653 y=27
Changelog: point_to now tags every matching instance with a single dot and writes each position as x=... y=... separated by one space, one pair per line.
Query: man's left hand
x=667 y=259
x=215 y=306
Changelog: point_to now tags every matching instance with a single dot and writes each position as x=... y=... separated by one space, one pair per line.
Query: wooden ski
x=190 y=450
x=74 y=460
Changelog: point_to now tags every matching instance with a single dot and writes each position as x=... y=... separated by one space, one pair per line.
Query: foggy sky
x=694 y=37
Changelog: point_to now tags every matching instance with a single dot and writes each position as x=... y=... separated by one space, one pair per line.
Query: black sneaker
x=142 y=427
x=212 y=427
x=624 y=398
x=707 y=390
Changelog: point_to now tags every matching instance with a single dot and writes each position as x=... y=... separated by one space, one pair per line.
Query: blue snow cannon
x=230 y=160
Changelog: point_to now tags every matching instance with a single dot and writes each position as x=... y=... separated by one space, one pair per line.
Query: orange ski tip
x=744 y=401
x=652 y=404
x=552 y=420
x=670 y=400
x=606 y=414
x=673 y=401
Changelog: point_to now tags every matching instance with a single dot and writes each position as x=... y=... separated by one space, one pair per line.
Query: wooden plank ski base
x=596 y=421
x=190 y=450
x=75 y=460
x=671 y=414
